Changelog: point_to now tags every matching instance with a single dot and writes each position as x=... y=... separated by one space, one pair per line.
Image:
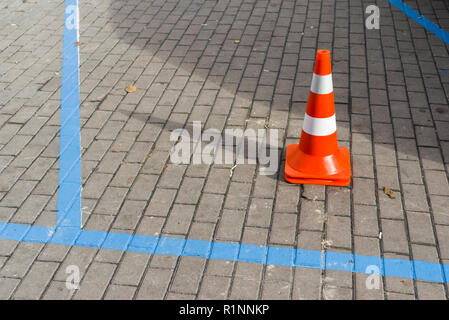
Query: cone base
x=331 y=170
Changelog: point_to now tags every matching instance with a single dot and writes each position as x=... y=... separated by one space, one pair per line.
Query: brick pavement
x=391 y=89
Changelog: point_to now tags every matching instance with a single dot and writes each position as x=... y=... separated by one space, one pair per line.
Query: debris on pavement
x=131 y=89
x=389 y=192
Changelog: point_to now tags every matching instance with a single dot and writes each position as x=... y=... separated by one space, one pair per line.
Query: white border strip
x=319 y=126
x=321 y=84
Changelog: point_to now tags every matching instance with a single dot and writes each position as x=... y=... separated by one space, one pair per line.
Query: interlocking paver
x=117 y=292
x=155 y=284
x=21 y=259
x=95 y=281
x=391 y=93
x=35 y=282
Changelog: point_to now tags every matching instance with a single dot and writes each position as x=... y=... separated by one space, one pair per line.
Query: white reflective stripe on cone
x=319 y=126
x=321 y=84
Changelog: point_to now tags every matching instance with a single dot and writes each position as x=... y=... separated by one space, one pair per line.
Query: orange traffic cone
x=318 y=159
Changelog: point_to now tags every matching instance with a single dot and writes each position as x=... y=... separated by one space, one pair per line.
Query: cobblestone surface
x=391 y=89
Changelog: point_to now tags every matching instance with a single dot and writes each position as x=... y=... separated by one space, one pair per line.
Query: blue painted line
x=69 y=192
x=280 y=256
x=423 y=21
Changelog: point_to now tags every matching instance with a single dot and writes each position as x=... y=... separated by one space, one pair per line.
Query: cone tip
x=323 y=63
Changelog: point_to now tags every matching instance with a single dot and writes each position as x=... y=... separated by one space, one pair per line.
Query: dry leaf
x=389 y=192
x=114 y=150
x=130 y=89
x=236 y=41
x=77 y=44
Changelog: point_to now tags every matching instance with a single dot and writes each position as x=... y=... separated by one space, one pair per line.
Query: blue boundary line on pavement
x=280 y=256
x=68 y=229
x=423 y=21
x=69 y=194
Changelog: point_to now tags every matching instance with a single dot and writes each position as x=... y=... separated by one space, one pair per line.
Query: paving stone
x=430 y=291
x=217 y=181
x=406 y=149
x=306 y=284
x=394 y=236
x=188 y=275
x=214 y=288
x=246 y=281
x=228 y=226
x=30 y=209
x=426 y=136
x=95 y=282
x=78 y=256
x=399 y=296
x=363 y=191
x=190 y=190
x=143 y=187
x=283 y=228
x=21 y=260
x=161 y=202
x=8 y=285
x=125 y=175
x=415 y=197
x=259 y=213
x=172 y=176
x=312 y=215
x=155 y=284
x=339 y=201
x=287 y=199
x=264 y=187
x=309 y=240
x=34 y=283
x=385 y=155
x=420 y=227
x=442 y=235
x=336 y=293
x=365 y=221
x=111 y=200
x=437 y=182
x=209 y=207
x=403 y=128
x=53 y=252
x=129 y=214
x=388 y=176
x=179 y=219
x=110 y=162
x=18 y=193
x=338 y=231
x=118 y=292
x=439 y=207
x=131 y=269
x=363 y=292
x=363 y=166
x=237 y=196
x=410 y=172
x=431 y=158
x=423 y=252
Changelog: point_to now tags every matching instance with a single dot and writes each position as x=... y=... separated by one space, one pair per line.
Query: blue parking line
x=423 y=21
x=69 y=192
x=279 y=256
x=68 y=229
